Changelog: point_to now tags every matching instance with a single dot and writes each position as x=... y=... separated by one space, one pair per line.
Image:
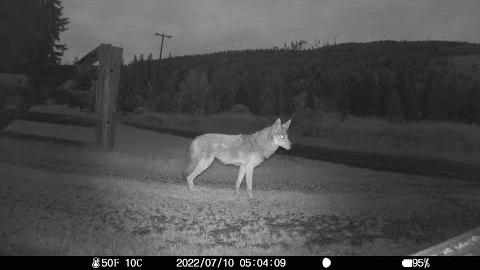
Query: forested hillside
x=435 y=80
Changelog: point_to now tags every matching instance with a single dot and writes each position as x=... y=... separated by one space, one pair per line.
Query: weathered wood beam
x=110 y=61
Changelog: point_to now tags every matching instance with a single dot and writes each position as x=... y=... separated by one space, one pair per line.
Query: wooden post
x=109 y=64
x=161 y=47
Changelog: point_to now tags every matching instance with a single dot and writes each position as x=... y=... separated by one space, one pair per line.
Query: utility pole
x=161 y=46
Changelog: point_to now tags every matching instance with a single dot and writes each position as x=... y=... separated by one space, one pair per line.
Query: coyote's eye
x=281 y=137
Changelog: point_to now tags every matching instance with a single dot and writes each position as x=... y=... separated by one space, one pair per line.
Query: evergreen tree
x=57 y=24
x=192 y=96
x=33 y=30
x=223 y=91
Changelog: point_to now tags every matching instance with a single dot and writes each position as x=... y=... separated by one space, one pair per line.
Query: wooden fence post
x=109 y=65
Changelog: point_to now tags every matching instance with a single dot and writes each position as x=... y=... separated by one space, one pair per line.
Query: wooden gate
x=109 y=60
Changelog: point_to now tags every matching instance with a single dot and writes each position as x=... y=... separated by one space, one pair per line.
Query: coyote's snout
x=246 y=151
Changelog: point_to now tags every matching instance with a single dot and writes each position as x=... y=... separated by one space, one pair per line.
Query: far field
x=70 y=200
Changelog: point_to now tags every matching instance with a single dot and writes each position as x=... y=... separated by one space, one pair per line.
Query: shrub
x=240 y=109
x=140 y=111
x=130 y=102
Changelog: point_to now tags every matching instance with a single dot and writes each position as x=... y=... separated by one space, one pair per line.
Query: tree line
x=398 y=80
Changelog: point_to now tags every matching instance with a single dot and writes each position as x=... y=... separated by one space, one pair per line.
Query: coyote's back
x=245 y=151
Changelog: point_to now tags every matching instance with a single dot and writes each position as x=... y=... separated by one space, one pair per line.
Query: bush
x=140 y=111
x=240 y=109
x=130 y=102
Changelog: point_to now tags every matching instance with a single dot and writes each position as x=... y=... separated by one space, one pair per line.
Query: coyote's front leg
x=249 y=175
x=241 y=174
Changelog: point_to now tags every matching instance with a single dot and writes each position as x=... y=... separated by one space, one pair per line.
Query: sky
x=205 y=26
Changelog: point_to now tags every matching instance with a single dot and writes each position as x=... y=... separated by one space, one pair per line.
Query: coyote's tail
x=192 y=160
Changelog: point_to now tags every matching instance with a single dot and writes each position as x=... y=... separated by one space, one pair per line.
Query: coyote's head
x=280 y=136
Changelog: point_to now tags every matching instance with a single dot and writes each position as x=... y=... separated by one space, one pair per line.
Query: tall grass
x=447 y=140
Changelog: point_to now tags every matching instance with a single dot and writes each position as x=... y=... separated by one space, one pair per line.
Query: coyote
x=246 y=151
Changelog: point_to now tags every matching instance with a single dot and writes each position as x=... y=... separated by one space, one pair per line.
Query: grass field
x=448 y=141
x=67 y=200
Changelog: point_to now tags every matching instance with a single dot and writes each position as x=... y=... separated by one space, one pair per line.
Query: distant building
x=17 y=77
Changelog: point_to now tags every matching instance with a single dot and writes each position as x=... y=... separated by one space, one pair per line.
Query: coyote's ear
x=277 y=124
x=287 y=124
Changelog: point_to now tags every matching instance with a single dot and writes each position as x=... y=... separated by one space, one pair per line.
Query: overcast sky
x=201 y=26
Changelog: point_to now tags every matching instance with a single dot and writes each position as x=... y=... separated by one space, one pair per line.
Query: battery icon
x=407 y=262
